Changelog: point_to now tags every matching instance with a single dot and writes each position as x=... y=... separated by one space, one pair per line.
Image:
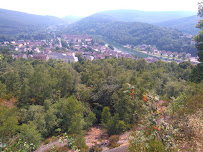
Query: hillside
x=55 y=106
x=183 y=21
x=89 y=24
x=146 y=16
x=14 y=22
x=134 y=33
x=186 y=24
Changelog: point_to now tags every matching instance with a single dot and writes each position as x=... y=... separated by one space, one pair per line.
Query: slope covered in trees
x=14 y=22
x=146 y=16
x=186 y=24
x=183 y=21
x=41 y=99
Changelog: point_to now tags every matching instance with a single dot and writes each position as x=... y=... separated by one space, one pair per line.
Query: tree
x=64 y=43
x=197 y=73
x=106 y=116
x=2 y=89
x=199 y=38
x=39 y=84
x=30 y=134
x=70 y=113
x=36 y=114
x=12 y=81
x=8 y=122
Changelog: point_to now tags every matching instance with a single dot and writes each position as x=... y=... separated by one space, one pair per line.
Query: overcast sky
x=83 y=8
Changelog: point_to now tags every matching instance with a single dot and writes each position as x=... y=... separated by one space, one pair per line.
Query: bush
x=95 y=148
x=156 y=146
x=121 y=126
x=30 y=134
x=113 y=138
x=80 y=143
x=113 y=141
x=114 y=145
x=8 y=96
x=47 y=141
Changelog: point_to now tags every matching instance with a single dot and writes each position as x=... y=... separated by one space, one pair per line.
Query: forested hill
x=14 y=22
x=134 y=33
x=186 y=24
x=183 y=21
x=89 y=24
x=27 y=19
x=146 y=16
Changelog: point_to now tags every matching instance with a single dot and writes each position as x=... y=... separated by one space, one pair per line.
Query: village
x=67 y=48
x=166 y=56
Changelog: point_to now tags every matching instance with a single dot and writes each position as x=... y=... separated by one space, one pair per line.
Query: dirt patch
x=44 y=148
x=96 y=135
x=8 y=103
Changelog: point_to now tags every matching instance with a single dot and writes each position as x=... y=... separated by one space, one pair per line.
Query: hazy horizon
x=62 y=8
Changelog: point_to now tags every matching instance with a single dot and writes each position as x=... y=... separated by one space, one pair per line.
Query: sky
x=61 y=8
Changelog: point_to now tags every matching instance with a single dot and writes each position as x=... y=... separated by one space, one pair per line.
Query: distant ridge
x=146 y=16
x=14 y=22
x=186 y=24
x=28 y=19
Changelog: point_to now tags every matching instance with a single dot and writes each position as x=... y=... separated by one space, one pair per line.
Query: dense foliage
x=198 y=70
x=41 y=99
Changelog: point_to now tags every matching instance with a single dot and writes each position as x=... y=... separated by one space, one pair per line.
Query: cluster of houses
x=149 y=49
x=78 y=44
x=170 y=54
x=77 y=39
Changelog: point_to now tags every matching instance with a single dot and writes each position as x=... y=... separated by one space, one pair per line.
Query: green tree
x=90 y=119
x=106 y=116
x=12 y=81
x=2 y=89
x=39 y=83
x=8 y=122
x=24 y=97
x=30 y=134
x=50 y=120
x=199 y=38
x=64 y=43
x=70 y=115
x=197 y=73
x=36 y=114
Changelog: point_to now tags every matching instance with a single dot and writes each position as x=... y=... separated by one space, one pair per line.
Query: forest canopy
x=40 y=99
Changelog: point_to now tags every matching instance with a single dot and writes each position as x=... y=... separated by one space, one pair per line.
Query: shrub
x=95 y=148
x=156 y=146
x=80 y=143
x=121 y=126
x=113 y=138
x=114 y=145
x=47 y=141
x=113 y=141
